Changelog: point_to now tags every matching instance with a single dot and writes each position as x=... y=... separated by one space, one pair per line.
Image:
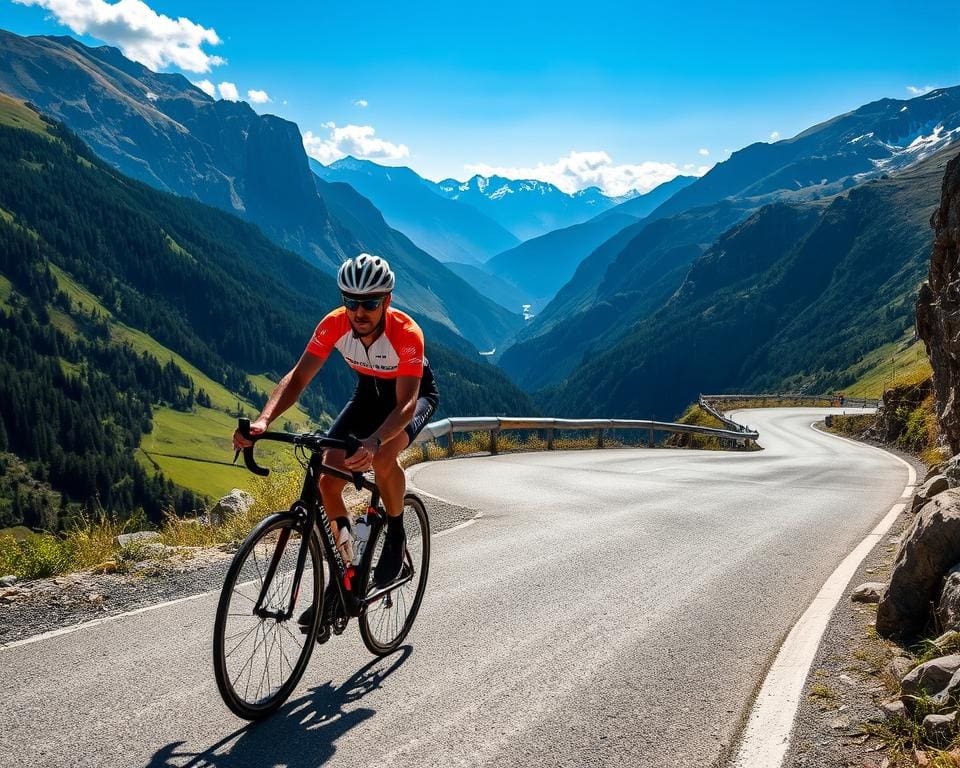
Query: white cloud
x=355 y=140
x=143 y=35
x=589 y=169
x=258 y=97
x=361 y=103
x=775 y=136
x=228 y=91
x=914 y=91
x=703 y=152
x=207 y=87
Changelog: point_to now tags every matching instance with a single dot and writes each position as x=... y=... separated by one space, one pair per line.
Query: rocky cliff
x=938 y=306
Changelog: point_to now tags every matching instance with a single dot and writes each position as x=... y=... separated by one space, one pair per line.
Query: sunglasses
x=367 y=304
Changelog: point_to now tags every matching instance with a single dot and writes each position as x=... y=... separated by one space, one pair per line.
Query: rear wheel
x=258 y=660
x=386 y=621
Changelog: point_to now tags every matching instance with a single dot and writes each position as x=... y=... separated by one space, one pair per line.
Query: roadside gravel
x=41 y=605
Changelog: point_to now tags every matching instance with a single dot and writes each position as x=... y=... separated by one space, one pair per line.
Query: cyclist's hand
x=362 y=460
x=256 y=428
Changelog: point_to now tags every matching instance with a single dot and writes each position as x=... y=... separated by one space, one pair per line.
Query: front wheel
x=385 y=622
x=258 y=659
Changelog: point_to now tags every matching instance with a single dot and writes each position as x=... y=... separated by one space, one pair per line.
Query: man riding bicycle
x=393 y=400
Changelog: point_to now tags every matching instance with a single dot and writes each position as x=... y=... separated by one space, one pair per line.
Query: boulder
x=948 y=606
x=893 y=710
x=930 y=548
x=936 y=469
x=140 y=537
x=930 y=488
x=950 y=693
x=931 y=677
x=869 y=592
x=8 y=581
x=236 y=502
x=938 y=306
x=939 y=728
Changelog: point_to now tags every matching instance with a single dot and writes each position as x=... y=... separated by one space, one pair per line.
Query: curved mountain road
x=615 y=607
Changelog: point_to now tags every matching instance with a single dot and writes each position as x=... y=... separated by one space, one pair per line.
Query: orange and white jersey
x=398 y=351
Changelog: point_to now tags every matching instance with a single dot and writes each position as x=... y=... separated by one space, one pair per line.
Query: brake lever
x=243 y=426
x=353 y=445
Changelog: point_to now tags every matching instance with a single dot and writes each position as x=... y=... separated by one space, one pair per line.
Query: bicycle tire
x=382 y=629
x=261 y=544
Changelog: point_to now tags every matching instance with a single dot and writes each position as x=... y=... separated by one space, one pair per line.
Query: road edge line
x=765 y=738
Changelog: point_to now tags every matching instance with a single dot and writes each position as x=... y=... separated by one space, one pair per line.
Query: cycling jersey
x=398 y=351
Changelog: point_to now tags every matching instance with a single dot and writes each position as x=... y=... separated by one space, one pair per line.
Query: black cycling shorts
x=374 y=399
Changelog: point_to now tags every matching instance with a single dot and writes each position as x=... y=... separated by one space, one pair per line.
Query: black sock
x=395 y=526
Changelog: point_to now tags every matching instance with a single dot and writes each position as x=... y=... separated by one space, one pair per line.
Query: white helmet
x=364 y=275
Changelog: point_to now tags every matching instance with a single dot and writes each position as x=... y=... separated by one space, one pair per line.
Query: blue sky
x=619 y=94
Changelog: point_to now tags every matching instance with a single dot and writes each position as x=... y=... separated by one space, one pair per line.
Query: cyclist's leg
x=392 y=482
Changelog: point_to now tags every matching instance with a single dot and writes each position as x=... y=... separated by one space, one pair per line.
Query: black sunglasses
x=367 y=304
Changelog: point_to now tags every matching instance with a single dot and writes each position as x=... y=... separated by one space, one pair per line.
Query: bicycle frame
x=347 y=577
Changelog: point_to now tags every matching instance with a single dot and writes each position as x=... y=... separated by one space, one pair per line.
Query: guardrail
x=446 y=428
x=823 y=400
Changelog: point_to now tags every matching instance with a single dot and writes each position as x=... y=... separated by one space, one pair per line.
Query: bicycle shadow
x=301 y=734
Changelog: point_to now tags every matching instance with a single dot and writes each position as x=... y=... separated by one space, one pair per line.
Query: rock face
x=938 y=306
x=929 y=550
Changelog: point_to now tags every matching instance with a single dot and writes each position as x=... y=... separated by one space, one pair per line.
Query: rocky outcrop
x=930 y=488
x=930 y=548
x=948 y=606
x=938 y=307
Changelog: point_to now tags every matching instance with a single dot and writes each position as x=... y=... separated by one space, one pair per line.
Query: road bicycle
x=281 y=568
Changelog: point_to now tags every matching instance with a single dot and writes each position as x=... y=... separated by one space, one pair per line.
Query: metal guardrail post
x=599 y=438
x=450 y=443
x=651 y=438
x=550 y=438
x=494 y=433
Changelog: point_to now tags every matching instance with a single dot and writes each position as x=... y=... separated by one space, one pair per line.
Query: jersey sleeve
x=327 y=332
x=410 y=352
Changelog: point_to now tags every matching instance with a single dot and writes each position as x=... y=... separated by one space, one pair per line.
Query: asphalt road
x=615 y=607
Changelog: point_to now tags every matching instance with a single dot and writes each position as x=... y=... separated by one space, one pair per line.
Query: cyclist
x=393 y=400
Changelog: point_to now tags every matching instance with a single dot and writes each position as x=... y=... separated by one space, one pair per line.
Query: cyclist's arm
x=285 y=394
x=408 y=387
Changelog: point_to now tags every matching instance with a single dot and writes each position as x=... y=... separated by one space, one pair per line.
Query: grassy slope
x=192 y=449
x=878 y=369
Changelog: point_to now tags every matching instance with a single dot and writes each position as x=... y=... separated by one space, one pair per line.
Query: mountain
x=444 y=228
x=836 y=155
x=877 y=138
x=618 y=284
x=526 y=207
x=161 y=129
x=124 y=309
x=540 y=266
x=785 y=299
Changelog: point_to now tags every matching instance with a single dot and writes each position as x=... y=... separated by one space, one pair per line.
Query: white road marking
x=908 y=492
x=766 y=736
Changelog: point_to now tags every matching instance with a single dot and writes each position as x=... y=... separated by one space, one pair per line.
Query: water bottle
x=345 y=540
x=363 y=536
